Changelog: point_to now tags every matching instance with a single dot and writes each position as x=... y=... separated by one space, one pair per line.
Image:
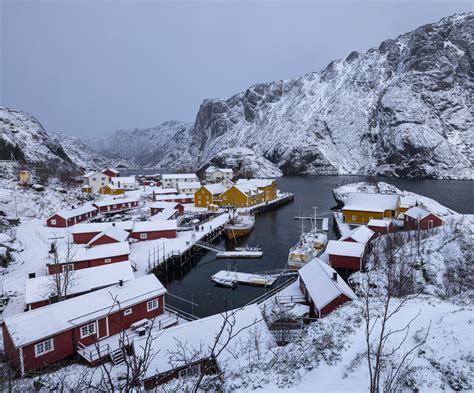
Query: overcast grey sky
x=83 y=67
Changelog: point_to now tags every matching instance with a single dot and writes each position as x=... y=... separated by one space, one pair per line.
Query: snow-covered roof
x=416 y=212
x=83 y=280
x=379 y=223
x=360 y=234
x=318 y=279
x=90 y=174
x=84 y=209
x=190 y=184
x=123 y=179
x=152 y=226
x=99 y=252
x=101 y=226
x=174 y=197
x=165 y=214
x=254 y=183
x=215 y=189
x=179 y=176
x=371 y=202
x=111 y=170
x=199 y=336
x=407 y=201
x=113 y=232
x=347 y=249
x=163 y=205
x=36 y=325
x=109 y=202
x=213 y=169
x=169 y=190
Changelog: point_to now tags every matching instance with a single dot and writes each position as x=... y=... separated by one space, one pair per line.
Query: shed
x=361 y=234
x=67 y=218
x=152 y=230
x=348 y=255
x=419 y=218
x=112 y=234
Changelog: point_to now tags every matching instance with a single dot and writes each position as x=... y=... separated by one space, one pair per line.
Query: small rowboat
x=224 y=282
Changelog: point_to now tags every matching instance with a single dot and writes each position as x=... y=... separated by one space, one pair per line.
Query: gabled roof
x=90 y=174
x=174 y=197
x=78 y=211
x=360 y=234
x=417 y=213
x=179 y=176
x=123 y=179
x=113 y=232
x=152 y=226
x=407 y=201
x=36 y=325
x=169 y=190
x=83 y=280
x=379 y=223
x=255 y=183
x=110 y=202
x=165 y=214
x=215 y=189
x=164 y=205
x=101 y=226
x=213 y=169
x=197 y=337
x=347 y=249
x=318 y=279
x=99 y=252
x=111 y=170
x=371 y=202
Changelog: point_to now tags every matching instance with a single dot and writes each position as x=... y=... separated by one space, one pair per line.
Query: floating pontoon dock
x=239 y=254
x=246 y=278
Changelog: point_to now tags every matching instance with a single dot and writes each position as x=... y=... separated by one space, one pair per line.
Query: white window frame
x=53 y=222
x=354 y=218
x=68 y=267
x=128 y=311
x=107 y=260
x=430 y=224
x=152 y=304
x=190 y=371
x=144 y=235
x=89 y=331
x=40 y=348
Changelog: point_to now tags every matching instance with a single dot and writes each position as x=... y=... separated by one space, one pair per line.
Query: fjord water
x=276 y=231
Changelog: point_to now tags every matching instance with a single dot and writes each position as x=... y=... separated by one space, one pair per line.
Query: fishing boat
x=308 y=247
x=239 y=225
x=224 y=282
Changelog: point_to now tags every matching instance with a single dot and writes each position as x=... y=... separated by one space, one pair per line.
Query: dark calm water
x=277 y=231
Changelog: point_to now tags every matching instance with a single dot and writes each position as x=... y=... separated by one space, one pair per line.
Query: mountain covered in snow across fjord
x=401 y=109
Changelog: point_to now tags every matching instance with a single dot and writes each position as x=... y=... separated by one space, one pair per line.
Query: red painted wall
x=11 y=353
x=62 y=223
x=118 y=206
x=110 y=173
x=54 y=269
x=84 y=238
x=341 y=299
x=155 y=235
x=412 y=223
x=103 y=240
x=337 y=261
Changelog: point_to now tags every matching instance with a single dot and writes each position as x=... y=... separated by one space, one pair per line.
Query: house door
x=430 y=224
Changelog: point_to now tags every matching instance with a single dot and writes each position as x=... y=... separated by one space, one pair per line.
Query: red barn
x=111 y=172
x=67 y=218
x=112 y=234
x=151 y=230
x=84 y=233
x=323 y=288
x=47 y=335
x=348 y=255
x=159 y=207
x=84 y=257
x=381 y=227
x=418 y=218
x=41 y=291
x=361 y=234
x=116 y=205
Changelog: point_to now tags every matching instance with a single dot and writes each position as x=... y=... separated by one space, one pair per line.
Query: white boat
x=239 y=225
x=224 y=282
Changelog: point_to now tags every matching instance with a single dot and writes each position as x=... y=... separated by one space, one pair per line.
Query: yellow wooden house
x=241 y=196
x=267 y=186
x=360 y=208
x=209 y=195
x=110 y=189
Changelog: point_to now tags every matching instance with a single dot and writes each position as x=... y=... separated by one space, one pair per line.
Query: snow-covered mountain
x=143 y=147
x=23 y=136
x=403 y=108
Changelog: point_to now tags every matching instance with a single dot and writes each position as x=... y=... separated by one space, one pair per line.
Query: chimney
x=334 y=276
x=31 y=275
x=121 y=283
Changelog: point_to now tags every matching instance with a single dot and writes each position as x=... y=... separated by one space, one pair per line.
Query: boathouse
x=152 y=230
x=41 y=291
x=85 y=257
x=196 y=339
x=42 y=337
x=347 y=255
x=360 y=208
x=323 y=289
x=112 y=234
x=382 y=227
x=209 y=194
x=116 y=205
x=84 y=233
x=67 y=218
x=418 y=218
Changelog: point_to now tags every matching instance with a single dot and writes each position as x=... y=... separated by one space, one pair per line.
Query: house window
x=152 y=305
x=88 y=330
x=191 y=371
x=94 y=178
x=44 y=347
x=68 y=267
x=143 y=235
x=430 y=224
x=114 y=206
x=225 y=198
x=354 y=218
x=53 y=222
x=128 y=311
x=108 y=260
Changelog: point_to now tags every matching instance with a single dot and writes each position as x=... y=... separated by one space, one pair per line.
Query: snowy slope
x=400 y=109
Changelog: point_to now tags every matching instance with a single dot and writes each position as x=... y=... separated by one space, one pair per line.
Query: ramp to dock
x=247 y=278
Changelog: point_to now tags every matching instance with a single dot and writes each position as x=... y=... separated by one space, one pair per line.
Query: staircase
x=118 y=356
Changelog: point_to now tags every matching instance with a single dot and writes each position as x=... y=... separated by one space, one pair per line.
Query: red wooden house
x=116 y=205
x=111 y=172
x=84 y=233
x=67 y=218
x=418 y=218
x=348 y=255
x=323 y=288
x=159 y=207
x=381 y=227
x=179 y=198
x=151 y=230
x=85 y=257
x=41 y=291
x=112 y=234
x=47 y=335
x=361 y=234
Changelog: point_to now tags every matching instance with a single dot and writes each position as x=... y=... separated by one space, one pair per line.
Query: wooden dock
x=246 y=278
x=283 y=199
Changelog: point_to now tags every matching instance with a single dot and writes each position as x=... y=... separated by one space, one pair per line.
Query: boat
x=224 y=282
x=308 y=247
x=239 y=225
